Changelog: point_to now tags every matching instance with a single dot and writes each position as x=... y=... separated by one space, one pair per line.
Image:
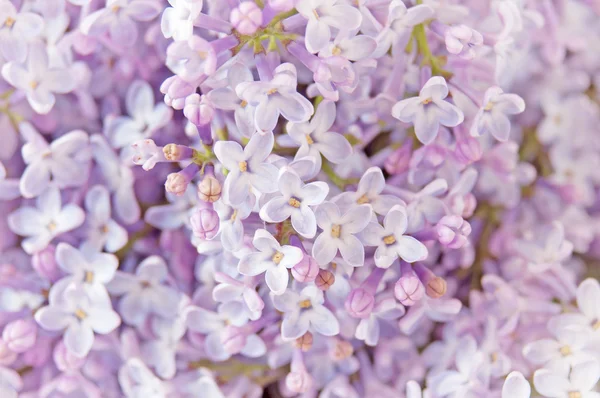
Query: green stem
x=428 y=58
x=136 y=236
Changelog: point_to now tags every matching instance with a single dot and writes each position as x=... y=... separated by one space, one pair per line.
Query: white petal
x=304 y=222
x=79 y=339
x=323 y=249
x=515 y=386
x=352 y=251
x=254 y=264
x=277 y=279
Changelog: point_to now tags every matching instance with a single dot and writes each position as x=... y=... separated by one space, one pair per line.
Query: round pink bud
x=304 y=342
x=198 y=110
x=342 y=350
x=44 y=264
x=306 y=270
x=246 y=18
x=209 y=189
x=65 y=361
x=298 y=382
x=325 y=279
x=172 y=152
x=20 y=335
x=176 y=184
x=409 y=289
x=359 y=303
x=468 y=150
x=452 y=231
x=233 y=339
x=436 y=287
x=205 y=223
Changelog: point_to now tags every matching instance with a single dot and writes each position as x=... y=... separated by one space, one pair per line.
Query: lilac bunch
x=314 y=198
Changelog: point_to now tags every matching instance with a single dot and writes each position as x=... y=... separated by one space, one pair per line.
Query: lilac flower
x=39 y=79
x=339 y=230
x=10 y=383
x=178 y=20
x=144 y=118
x=305 y=311
x=324 y=15
x=191 y=59
x=231 y=227
x=247 y=167
x=17 y=30
x=492 y=117
x=103 y=231
x=118 y=18
x=276 y=97
x=44 y=222
x=294 y=202
x=368 y=329
x=144 y=293
x=545 y=250
x=390 y=241
x=429 y=110
x=9 y=187
x=315 y=139
x=581 y=381
x=462 y=41
x=246 y=18
x=147 y=154
x=271 y=258
x=80 y=317
x=516 y=386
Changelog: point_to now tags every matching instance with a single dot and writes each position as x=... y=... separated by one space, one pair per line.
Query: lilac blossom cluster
x=314 y=198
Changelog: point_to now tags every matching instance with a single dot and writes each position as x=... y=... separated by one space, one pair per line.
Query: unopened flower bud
x=298 y=382
x=198 y=110
x=176 y=90
x=44 y=264
x=205 y=223
x=304 y=342
x=436 y=287
x=325 y=279
x=452 y=231
x=409 y=289
x=209 y=189
x=246 y=18
x=65 y=361
x=233 y=339
x=306 y=270
x=342 y=350
x=176 y=153
x=19 y=335
x=177 y=183
x=359 y=303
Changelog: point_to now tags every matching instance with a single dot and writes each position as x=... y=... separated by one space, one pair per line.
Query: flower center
x=494 y=356
x=244 y=104
x=80 y=314
x=104 y=229
x=272 y=91
x=316 y=14
x=294 y=202
x=488 y=106
x=565 y=351
x=33 y=84
x=233 y=215
x=426 y=101
x=10 y=21
x=305 y=304
x=243 y=166
x=389 y=240
x=51 y=226
x=574 y=394
x=115 y=8
x=336 y=230
x=309 y=139
x=336 y=50
x=89 y=277
x=145 y=284
x=202 y=54
x=596 y=325
x=363 y=199
x=277 y=257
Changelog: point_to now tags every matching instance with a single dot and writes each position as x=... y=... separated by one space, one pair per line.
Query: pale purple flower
x=17 y=30
x=438 y=309
x=339 y=230
x=178 y=20
x=147 y=154
x=19 y=335
x=205 y=223
x=588 y=317
x=390 y=240
x=79 y=316
x=144 y=119
x=276 y=97
x=368 y=329
x=40 y=224
x=295 y=202
x=305 y=311
x=272 y=259
x=103 y=231
x=231 y=227
x=580 y=382
x=492 y=117
x=144 y=292
x=516 y=386
x=246 y=18
x=138 y=381
x=10 y=383
x=322 y=15
x=452 y=231
x=461 y=40
x=429 y=110
x=316 y=139
x=191 y=59
x=546 y=249
x=63 y=163
x=247 y=167
x=39 y=79
x=119 y=18
x=347 y=44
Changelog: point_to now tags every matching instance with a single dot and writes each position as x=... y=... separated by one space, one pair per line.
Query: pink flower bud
x=209 y=189
x=360 y=303
x=176 y=184
x=342 y=350
x=306 y=270
x=20 y=335
x=325 y=279
x=298 y=382
x=409 y=289
x=198 y=110
x=176 y=153
x=205 y=223
x=233 y=339
x=304 y=342
x=246 y=18
x=452 y=231
x=436 y=287
x=44 y=264
x=65 y=361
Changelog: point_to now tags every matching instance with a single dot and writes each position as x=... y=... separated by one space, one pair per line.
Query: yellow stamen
x=272 y=91
x=81 y=314
x=488 y=106
x=363 y=199
x=575 y=394
x=202 y=55
x=115 y=8
x=305 y=304
x=294 y=202
x=565 y=351
x=33 y=84
x=89 y=277
x=233 y=215
x=336 y=50
x=389 y=240
x=336 y=230
x=277 y=257
x=596 y=325
x=494 y=356
x=244 y=104
x=309 y=139
x=426 y=101
x=243 y=166
x=316 y=14
x=333 y=266
x=9 y=22
x=51 y=226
